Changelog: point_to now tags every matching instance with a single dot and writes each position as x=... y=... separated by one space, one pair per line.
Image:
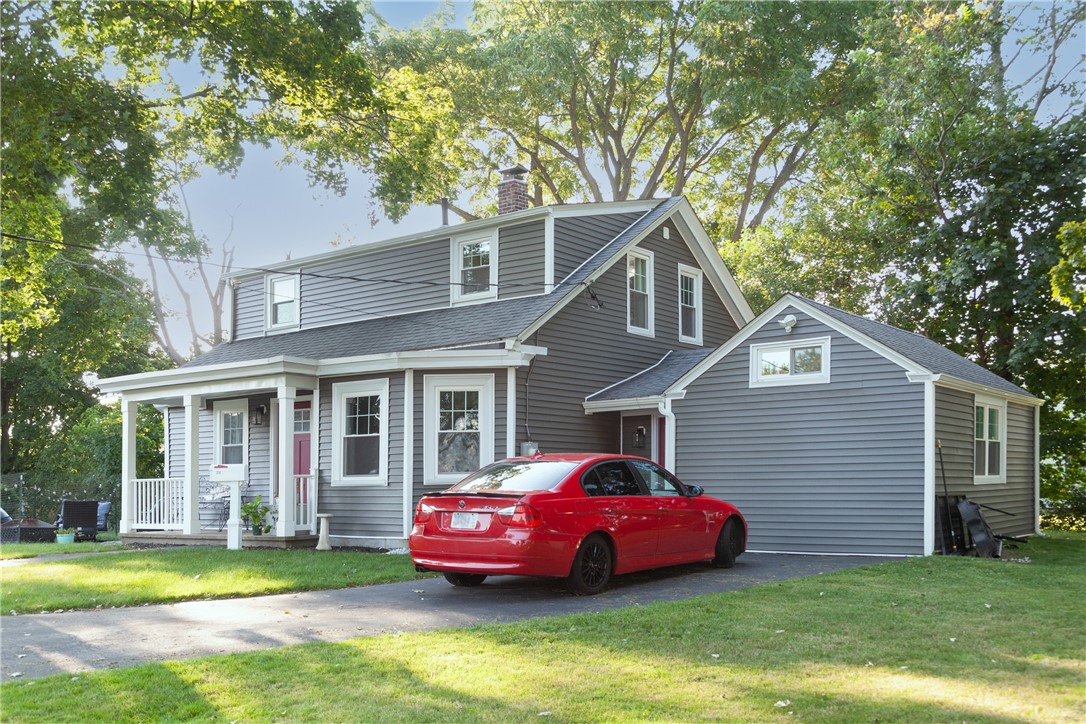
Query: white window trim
x=340 y=391
x=650 y=282
x=457 y=297
x=269 y=281
x=1001 y=405
x=696 y=274
x=756 y=350
x=433 y=385
x=230 y=406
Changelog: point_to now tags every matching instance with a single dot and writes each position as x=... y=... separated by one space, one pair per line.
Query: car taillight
x=520 y=515
x=422 y=512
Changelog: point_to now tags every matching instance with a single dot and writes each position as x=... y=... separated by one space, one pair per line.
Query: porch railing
x=158 y=503
x=305 y=502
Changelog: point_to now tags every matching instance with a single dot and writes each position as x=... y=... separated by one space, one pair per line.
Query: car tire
x=592 y=566
x=465 y=580
x=729 y=544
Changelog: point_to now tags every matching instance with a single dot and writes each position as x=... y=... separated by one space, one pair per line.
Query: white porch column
x=191 y=513
x=128 y=461
x=285 y=525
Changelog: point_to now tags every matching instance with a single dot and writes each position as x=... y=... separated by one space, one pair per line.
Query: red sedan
x=582 y=517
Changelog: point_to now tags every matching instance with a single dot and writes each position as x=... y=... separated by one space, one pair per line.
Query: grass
x=935 y=639
x=185 y=574
x=10 y=551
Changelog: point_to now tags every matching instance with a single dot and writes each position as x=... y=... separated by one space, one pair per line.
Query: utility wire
x=328 y=305
x=265 y=270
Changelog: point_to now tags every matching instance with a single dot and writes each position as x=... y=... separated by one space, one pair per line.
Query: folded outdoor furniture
x=81 y=515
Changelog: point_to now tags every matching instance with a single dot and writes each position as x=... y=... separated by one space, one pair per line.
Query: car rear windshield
x=522 y=476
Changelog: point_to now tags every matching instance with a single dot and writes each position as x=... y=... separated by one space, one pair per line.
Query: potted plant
x=255 y=513
x=65 y=535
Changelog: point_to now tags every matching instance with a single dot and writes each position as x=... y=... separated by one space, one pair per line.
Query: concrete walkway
x=41 y=644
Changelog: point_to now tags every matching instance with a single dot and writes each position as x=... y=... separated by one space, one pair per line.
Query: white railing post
x=129 y=410
x=191 y=500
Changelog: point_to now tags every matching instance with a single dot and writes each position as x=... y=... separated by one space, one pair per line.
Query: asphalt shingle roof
x=652 y=382
x=926 y=353
x=429 y=329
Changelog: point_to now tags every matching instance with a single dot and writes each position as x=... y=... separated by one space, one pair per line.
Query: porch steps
x=215 y=538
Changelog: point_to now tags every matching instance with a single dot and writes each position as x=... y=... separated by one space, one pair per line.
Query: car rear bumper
x=521 y=554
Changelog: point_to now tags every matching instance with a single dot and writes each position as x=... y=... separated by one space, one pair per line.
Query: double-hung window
x=458 y=426
x=689 y=304
x=360 y=432
x=475 y=267
x=281 y=292
x=796 y=362
x=989 y=440
x=639 y=293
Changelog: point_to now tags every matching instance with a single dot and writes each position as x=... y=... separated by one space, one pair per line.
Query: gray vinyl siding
x=820 y=468
x=249 y=309
x=175 y=460
x=578 y=238
x=363 y=510
x=259 y=453
x=521 y=260
x=954 y=428
x=717 y=323
x=333 y=301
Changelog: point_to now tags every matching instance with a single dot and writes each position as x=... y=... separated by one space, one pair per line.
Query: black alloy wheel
x=592 y=566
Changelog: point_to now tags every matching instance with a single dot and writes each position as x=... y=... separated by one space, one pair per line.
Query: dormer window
x=281 y=292
x=475 y=267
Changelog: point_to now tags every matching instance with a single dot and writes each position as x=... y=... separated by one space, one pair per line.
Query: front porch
x=218 y=538
x=227 y=442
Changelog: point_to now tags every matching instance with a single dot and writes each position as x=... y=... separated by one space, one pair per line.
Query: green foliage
x=255 y=513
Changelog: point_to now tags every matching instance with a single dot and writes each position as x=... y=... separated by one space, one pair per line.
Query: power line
x=265 y=270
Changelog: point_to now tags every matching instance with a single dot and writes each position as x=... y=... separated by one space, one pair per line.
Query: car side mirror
x=693 y=491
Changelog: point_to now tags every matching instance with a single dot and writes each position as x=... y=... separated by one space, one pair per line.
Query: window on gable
x=282 y=306
x=799 y=362
x=474 y=268
x=459 y=425
x=989 y=440
x=689 y=304
x=639 y=306
x=360 y=432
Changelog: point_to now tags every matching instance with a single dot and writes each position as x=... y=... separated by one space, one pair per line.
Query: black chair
x=81 y=515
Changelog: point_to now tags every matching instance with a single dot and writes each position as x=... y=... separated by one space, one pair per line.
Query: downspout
x=664 y=408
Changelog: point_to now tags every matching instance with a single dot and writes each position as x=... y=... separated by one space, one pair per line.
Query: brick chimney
x=513 y=190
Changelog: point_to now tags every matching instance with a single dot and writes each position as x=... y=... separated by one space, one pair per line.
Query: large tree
x=615 y=101
x=958 y=199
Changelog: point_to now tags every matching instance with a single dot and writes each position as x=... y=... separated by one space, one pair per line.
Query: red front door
x=302 y=438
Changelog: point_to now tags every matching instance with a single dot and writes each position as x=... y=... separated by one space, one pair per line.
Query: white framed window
x=360 y=433
x=281 y=293
x=475 y=267
x=989 y=440
x=458 y=426
x=640 y=315
x=689 y=304
x=232 y=435
x=795 y=362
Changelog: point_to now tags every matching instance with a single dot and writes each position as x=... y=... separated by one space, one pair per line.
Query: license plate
x=465 y=521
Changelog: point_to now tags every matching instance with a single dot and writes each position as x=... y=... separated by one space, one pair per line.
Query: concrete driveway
x=41 y=644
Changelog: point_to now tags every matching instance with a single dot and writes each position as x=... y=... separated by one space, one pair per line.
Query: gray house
x=357 y=380
x=822 y=427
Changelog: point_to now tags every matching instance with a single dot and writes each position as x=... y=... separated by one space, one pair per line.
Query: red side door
x=616 y=497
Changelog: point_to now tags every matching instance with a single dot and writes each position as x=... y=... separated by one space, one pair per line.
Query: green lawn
x=10 y=551
x=184 y=574
x=935 y=639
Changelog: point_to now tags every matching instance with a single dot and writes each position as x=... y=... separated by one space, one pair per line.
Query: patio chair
x=81 y=515
x=215 y=502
